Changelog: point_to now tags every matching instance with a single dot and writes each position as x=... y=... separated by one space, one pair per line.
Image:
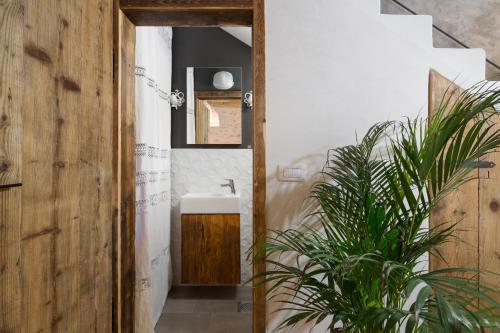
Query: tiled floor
x=207 y=310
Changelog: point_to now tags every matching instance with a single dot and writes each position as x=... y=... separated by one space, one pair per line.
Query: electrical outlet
x=291 y=173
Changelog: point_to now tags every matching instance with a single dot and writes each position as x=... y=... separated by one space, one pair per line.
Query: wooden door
x=11 y=92
x=475 y=206
x=56 y=167
x=489 y=220
x=460 y=207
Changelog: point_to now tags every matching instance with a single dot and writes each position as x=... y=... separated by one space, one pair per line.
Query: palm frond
x=355 y=262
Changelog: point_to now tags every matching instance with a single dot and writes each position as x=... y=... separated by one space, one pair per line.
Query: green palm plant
x=356 y=257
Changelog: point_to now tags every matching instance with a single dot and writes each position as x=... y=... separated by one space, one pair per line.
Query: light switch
x=288 y=173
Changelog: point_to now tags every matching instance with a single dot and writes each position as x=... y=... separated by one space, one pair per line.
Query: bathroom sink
x=210 y=203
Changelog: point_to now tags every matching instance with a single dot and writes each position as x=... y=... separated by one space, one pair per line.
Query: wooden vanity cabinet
x=210 y=249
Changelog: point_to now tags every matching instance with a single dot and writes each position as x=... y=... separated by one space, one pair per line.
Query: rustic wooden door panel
x=124 y=275
x=11 y=90
x=63 y=221
x=211 y=249
x=458 y=207
x=10 y=253
x=476 y=208
x=489 y=220
x=259 y=158
x=11 y=98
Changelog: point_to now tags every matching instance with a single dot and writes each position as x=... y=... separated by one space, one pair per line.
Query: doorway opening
x=212 y=110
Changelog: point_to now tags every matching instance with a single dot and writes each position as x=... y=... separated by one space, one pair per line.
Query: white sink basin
x=210 y=203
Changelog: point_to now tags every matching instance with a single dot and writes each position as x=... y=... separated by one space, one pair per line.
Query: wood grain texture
x=259 y=158
x=11 y=90
x=189 y=13
x=202 y=121
x=117 y=268
x=211 y=249
x=187 y=4
x=126 y=110
x=218 y=94
x=67 y=153
x=459 y=207
x=10 y=274
x=189 y=17
x=489 y=219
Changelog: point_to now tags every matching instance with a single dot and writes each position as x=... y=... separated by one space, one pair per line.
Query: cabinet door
x=211 y=249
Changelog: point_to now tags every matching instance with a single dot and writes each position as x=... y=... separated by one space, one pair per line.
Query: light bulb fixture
x=223 y=80
x=249 y=99
x=176 y=99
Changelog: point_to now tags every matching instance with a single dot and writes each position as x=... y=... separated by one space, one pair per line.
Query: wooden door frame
x=127 y=15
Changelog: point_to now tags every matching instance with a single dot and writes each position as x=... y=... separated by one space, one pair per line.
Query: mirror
x=214 y=106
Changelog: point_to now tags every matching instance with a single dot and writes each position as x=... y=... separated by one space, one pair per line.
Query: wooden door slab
x=458 y=207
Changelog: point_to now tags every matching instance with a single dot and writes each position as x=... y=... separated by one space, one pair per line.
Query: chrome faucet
x=230 y=185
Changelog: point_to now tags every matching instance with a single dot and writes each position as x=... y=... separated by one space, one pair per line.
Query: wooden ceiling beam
x=189 y=18
x=181 y=13
x=126 y=5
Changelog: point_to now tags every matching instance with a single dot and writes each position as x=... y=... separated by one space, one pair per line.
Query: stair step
x=369 y=6
x=416 y=29
x=470 y=64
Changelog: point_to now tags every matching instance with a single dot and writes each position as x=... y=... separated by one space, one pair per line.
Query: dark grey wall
x=208 y=47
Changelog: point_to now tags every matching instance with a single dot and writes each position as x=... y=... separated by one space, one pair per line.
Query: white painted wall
x=333 y=69
x=203 y=171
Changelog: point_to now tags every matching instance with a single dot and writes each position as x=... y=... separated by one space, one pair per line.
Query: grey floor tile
x=203 y=306
x=211 y=292
x=216 y=306
x=183 y=323
x=212 y=309
x=231 y=323
x=180 y=306
x=245 y=293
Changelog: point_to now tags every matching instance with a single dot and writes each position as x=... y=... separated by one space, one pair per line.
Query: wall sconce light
x=223 y=80
x=249 y=99
x=176 y=99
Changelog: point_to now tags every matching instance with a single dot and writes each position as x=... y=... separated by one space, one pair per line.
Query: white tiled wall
x=204 y=170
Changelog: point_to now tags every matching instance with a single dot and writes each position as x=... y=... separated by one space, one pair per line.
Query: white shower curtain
x=153 y=188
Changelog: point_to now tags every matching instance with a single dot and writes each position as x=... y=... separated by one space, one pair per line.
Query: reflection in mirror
x=218 y=117
x=214 y=106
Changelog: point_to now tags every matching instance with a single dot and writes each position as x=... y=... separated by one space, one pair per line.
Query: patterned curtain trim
x=143 y=177
x=163 y=94
x=140 y=149
x=141 y=72
x=142 y=205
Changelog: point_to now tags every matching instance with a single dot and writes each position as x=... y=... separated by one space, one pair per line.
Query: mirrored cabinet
x=214 y=106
